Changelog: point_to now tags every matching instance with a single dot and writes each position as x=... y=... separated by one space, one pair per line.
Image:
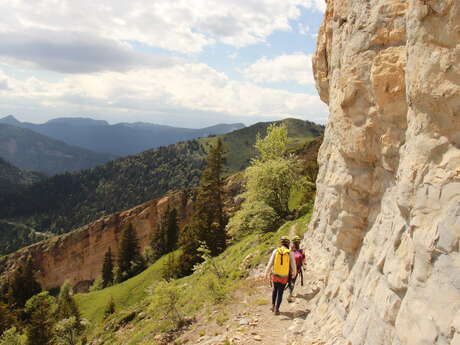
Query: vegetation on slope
x=67 y=201
x=138 y=300
x=151 y=307
x=13 y=179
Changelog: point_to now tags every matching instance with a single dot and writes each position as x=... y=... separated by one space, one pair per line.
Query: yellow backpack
x=282 y=262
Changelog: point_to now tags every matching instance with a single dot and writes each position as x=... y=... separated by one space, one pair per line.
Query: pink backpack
x=299 y=257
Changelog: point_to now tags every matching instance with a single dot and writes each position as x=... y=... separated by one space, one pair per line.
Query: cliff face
x=78 y=256
x=384 y=240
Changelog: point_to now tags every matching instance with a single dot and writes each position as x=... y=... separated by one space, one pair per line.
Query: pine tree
x=23 y=284
x=130 y=261
x=209 y=214
x=207 y=225
x=172 y=231
x=107 y=269
x=164 y=239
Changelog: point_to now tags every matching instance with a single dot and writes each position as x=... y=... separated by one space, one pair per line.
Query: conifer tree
x=207 y=225
x=172 y=231
x=164 y=239
x=130 y=261
x=40 y=311
x=23 y=284
x=107 y=269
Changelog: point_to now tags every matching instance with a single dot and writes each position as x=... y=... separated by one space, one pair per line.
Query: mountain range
x=27 y=149
x=67 y=201
x=121 y=139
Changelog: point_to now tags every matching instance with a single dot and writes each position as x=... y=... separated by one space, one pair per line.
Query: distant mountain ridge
x=67 y=201
x=121 y=139
x=27 y=149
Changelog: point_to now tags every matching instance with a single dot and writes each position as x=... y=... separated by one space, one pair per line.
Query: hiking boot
x=277 y=312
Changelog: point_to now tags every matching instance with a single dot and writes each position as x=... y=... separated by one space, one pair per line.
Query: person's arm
x=293 y=266
x=268 y=269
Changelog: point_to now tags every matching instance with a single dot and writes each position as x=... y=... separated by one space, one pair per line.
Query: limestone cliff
x=384 y=241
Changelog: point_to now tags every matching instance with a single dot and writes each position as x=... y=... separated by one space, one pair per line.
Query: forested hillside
x=27 y=149
x=12 y=178
x=67 y=201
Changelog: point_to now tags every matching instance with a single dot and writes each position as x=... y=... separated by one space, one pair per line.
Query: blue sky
x=186 y=63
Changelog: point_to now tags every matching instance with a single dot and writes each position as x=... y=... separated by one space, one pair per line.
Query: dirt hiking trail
x=246 y=319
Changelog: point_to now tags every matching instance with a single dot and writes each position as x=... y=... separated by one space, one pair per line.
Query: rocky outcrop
x=78 y=255
x=384 y=241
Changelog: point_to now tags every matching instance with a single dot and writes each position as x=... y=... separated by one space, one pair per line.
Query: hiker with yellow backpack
x=279 y=268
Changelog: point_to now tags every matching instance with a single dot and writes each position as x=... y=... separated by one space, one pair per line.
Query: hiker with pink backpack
x=299 y=257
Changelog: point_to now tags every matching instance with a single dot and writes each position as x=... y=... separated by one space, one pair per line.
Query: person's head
x=296 y=242
x=285 y=241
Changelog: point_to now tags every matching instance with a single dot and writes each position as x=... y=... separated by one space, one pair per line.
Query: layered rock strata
x=384 y=240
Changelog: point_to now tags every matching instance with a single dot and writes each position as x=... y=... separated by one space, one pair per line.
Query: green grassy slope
x=198 y=292
x=125 y=294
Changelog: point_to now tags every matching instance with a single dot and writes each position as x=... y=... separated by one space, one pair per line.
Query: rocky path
x=247 y=319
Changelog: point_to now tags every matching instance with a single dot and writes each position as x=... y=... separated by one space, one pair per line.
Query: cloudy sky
x=190 y=63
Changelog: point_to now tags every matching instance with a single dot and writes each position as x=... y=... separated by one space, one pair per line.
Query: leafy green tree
x=272 y=173
x=107 y=269
x=253 y=216
x=40 y=312
x=269 y=182
x=130 y=261
x=13 y=337
x=23 y=284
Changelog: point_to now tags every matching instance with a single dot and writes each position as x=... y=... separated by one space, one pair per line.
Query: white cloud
x=71 y=52
x=178 y=90
x=180 y=25
x=296 y=67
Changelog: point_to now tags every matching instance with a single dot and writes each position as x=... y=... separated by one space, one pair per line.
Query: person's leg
x=291 y=288
x=274 y=295
x=279 y=298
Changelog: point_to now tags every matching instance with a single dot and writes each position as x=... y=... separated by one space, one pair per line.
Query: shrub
x=165 y=303
x=13 y=337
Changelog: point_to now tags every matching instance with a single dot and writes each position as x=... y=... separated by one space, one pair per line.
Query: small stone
x=258 y=338
x=244 y=322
